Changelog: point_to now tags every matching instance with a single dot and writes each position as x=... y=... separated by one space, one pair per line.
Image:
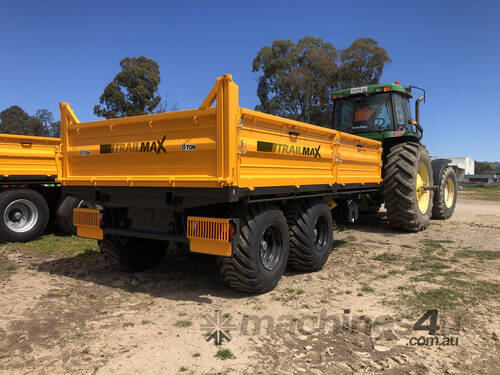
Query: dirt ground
x=62 y=311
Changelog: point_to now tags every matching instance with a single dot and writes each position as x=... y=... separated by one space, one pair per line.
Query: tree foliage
x=14 y=120
x=486 y=167
x=298 y=79
x=133 y=91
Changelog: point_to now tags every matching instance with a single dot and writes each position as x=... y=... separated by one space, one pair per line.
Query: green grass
x=426 y=262
x=337 y=244
x=387 y=257
x=382 y=276
x=78 y=335
x=60 y=245
x=182 y=369
x=183 y=323
x=224 y=354
x=441 y=298
x=478 y=254
x=127 y=324
x=395 y=272
x=195 y=355
x=145 y=322
x=366 y=288
x=454 y=289
x=486 y=192
x=10 y=267
x=300 y=291
x=226 y=315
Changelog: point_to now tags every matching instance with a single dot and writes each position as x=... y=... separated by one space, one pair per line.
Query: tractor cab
x=380 y=112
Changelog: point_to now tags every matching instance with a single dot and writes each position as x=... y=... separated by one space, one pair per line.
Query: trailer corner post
x=68 y=118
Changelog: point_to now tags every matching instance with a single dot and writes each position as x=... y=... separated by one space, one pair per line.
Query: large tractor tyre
x=310 y=226
x=407 y=186
x=260 y=257
x=24 y=215
x=445 y=197
x=131 y=253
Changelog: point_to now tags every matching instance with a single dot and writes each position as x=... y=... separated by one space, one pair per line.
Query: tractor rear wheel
x=446 y=195
x=407 y=186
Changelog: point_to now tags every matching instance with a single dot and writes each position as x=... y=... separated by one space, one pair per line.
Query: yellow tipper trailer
x=29 y=194
x=252 y=188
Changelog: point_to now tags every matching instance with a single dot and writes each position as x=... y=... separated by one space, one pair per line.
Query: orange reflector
x=398 y=82
x=210 y=235
x=387 y=89
x=335 y=96
x=88 y=223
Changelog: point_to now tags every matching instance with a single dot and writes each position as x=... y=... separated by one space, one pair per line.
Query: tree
x=362 y=63
x=167 y=105
x=14 y=120
x=486 y=167
x=53 y=128
x=298 y=79
x=133 y=91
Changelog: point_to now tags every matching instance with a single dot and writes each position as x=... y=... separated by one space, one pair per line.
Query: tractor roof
x=372 y=89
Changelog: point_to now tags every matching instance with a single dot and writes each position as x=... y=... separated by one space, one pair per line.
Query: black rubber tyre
x=24 y=215
x=64 y=214
x=259 y=260
x=400 y=186
x=310 y=226
x=131 y=253
x=440 y=209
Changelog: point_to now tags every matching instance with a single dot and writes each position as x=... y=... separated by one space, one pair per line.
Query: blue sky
x=68 y=51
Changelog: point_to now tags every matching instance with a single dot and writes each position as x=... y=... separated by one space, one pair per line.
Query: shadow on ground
x=179 y=276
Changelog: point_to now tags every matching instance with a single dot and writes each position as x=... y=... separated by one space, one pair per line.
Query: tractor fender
x=438 y=165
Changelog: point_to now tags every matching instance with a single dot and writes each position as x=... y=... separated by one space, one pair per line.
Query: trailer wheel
x=131 y=253
x=24 y=215
x=311 y=234
x=407 y=172
x=259 y=260
x=446 y=195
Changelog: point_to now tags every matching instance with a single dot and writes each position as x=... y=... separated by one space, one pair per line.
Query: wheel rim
x=320 y=234
x=423 y=196
x=271 y=247
x=20 y=215
x=449 y=192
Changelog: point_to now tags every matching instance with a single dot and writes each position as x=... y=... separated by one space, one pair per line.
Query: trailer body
x=182 y=176
x=227 y=150
x=30 y=196
x=25 y=158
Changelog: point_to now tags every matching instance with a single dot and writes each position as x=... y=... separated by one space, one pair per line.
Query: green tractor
x=414 y=188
